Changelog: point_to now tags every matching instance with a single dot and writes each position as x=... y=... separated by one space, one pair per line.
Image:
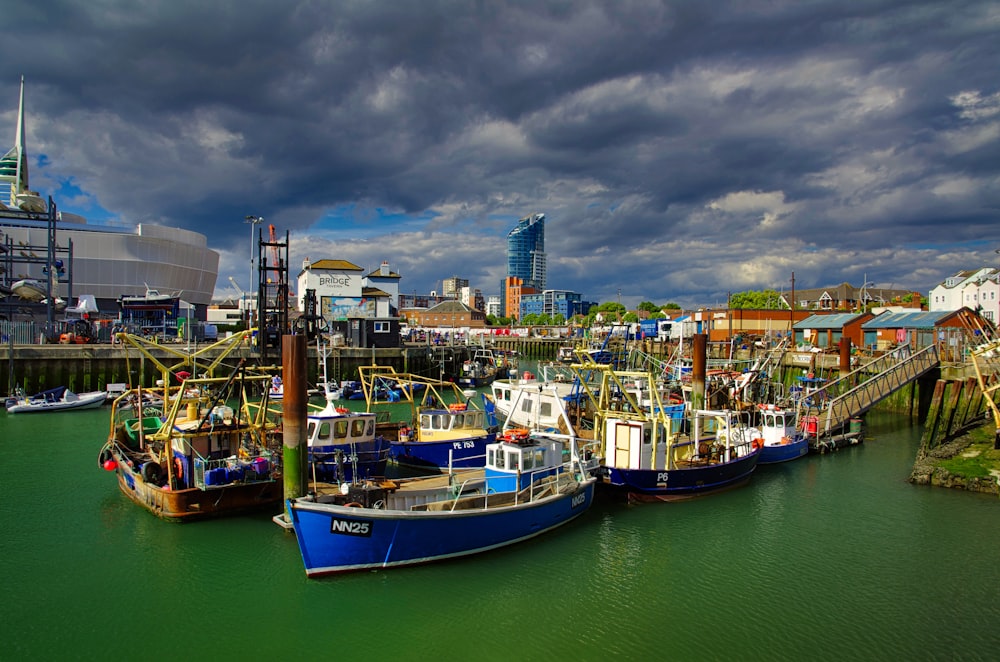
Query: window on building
x=381 y=327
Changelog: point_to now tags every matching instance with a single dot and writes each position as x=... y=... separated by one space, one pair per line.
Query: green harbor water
x=833 y=557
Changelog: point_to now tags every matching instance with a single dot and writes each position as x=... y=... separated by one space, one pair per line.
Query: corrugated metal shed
x=835 y=321
x=923 y=319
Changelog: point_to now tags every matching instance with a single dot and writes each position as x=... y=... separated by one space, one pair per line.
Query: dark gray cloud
x=679 y=150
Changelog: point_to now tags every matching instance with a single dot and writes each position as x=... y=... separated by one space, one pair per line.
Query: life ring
x=353 y=504
x=343 y=410
x=179 y=468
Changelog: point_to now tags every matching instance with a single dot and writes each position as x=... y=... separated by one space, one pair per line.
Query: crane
x=245 y=306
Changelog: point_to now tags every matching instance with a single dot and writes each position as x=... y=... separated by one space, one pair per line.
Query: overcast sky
x=679 y=150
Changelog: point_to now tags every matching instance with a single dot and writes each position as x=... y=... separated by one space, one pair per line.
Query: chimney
x=384 y=269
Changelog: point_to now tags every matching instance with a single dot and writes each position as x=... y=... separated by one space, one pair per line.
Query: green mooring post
x=294 y=451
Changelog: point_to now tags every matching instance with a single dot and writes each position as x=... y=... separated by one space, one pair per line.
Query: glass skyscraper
x=526 y=251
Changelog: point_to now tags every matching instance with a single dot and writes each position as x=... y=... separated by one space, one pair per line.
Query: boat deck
x=408 y=484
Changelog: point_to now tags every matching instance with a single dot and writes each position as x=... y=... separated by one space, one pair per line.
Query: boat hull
x=461 y=453
x=29 y=290
x=337 y=463
x=334 y=539
x=91 y=400
x=475 y=382
x=681 y=483
x=779 y=453
x=191 y=504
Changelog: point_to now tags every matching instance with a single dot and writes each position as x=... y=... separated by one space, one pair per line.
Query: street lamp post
x=253 y=221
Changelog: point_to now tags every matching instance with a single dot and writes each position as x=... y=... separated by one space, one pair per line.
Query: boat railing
x=465 y=459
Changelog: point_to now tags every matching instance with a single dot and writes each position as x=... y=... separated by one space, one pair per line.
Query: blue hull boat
x=780 y=441
x=343 y=445
x=647 y=456
x=683 y=482
x=445 y=428
x=436 y=455
x=340 y=464
x=519 y=495
x=784 y=453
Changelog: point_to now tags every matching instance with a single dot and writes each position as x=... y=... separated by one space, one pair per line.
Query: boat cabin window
x=513 y=460
x=529 y=461
x=357 y=427
x=545 y=408
x=340 y=429
x=647 y=436
x=539 y=457
x=434 y=422
x=469 y=420
x=370 y=430
x=527 y=406
x=324 y=430
x=499 y=459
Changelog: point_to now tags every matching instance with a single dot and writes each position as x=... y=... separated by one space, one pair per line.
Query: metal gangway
x=834 y=404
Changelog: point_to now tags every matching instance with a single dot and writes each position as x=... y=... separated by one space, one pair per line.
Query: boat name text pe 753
x=463 y=444
x=348 y=527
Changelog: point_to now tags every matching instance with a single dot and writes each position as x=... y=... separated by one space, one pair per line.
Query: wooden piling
x=698 y=365
x=294 y=450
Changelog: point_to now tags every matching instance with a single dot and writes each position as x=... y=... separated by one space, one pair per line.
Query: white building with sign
x=343 y=290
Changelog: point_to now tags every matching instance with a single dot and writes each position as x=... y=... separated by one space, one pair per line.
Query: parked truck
x=668 y=329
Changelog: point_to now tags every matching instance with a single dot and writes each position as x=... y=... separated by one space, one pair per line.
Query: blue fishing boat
x=343 y=445
x=444 y=427
x=654 y=451
x=454 y=436
x=652 y=461
x=524 y=490
x=780 y=440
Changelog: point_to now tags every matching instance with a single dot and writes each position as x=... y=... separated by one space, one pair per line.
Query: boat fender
x=179 y=468
x=755 y=444
x=343 y=410
x=353 y=504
